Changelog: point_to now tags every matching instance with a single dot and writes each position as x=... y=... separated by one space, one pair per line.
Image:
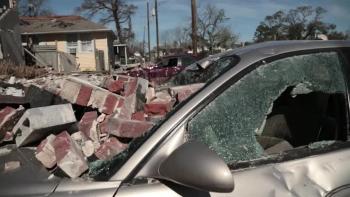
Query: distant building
x=87 y=43
x=10 y=38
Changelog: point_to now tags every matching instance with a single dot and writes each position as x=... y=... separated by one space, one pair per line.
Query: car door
x=281 y=128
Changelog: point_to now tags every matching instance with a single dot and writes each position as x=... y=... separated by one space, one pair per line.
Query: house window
x=86 y=43
x=72 y=43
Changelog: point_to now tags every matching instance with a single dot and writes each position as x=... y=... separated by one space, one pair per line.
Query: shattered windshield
x=285 y=102
x=204 y=70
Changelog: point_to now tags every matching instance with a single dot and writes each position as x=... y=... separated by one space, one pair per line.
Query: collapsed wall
x=76 y=121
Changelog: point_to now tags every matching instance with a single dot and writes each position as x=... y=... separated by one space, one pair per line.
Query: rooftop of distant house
x=59 y=24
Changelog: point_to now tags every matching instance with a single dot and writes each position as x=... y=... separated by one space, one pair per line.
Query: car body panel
x=311 y=176
x=86 y=189
x=29 y=178
x=248 y=57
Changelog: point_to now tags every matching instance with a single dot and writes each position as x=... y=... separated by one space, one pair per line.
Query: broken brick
x=110 y=104
x=110 y=148
x=45 y=152
x=150 y=94
x=136 y=90
x=84 y=95
x=140 y=116
x=183 y=92
x=8 y=119
x=84 y=144
x=70 y=158
x=161 y=108
x=88 y=124
x=125 y=128
x=115 y=86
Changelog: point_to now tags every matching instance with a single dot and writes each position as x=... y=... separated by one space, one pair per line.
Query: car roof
x=272 y=48
x=260 y=51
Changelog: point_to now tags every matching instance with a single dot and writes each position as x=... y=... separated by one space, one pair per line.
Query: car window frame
x=292 y=154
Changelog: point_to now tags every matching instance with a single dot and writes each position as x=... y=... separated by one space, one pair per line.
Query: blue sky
x=244 y=15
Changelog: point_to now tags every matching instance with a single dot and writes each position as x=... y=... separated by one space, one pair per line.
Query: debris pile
x=75 y=120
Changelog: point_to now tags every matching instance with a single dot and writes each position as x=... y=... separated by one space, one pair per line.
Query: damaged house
x=10 y=39
x=67 y=43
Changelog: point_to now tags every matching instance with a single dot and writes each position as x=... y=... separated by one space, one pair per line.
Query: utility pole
x=149 y=36
x=194 y=26
x=157 y=27
x=144 y=40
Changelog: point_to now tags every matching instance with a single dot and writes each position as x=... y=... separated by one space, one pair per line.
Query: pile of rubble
x=75 y=120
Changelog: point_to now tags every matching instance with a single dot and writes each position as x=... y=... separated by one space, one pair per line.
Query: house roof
x=58 y=24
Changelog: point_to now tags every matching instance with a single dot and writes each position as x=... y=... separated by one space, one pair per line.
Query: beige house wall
x=86 y=60
x=101 y=43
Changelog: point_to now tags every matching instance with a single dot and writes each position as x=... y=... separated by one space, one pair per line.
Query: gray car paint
x=249 y=56
x=29 y=179
x=312 y=176
x=245 y=180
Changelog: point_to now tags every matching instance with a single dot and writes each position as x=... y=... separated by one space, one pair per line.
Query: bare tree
x=178 y=37
x=117 y=11
x=34 y=8
x=211 y=28
x=304 y=22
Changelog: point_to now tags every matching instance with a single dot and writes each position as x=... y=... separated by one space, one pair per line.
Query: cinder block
x=39 y=97
x=110 y=148
x=68 y=155
x=45 y=152
x=38 y=123
x=125 y=128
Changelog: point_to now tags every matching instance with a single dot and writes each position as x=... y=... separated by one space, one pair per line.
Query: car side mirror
x=194 y=165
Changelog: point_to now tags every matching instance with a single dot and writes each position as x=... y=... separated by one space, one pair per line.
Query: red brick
x=115 y=86
x=140 y=116
x=4 y=113
x=8 y=119
x=68 y=156
x=86 y=125
x=121 y=103
x=84 y=95
x=183 y=92
x=125 y=128
x=45 y=152
x=124 y=78
x=130 y=88
x=157 y=108
x=110 y=104
x=110 y=148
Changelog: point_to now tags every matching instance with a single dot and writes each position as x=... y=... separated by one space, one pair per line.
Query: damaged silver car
x=271 y=120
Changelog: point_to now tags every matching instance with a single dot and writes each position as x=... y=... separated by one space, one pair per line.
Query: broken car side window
x=234 y=124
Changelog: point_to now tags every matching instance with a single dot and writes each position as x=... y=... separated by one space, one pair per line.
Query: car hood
x=22 y=175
